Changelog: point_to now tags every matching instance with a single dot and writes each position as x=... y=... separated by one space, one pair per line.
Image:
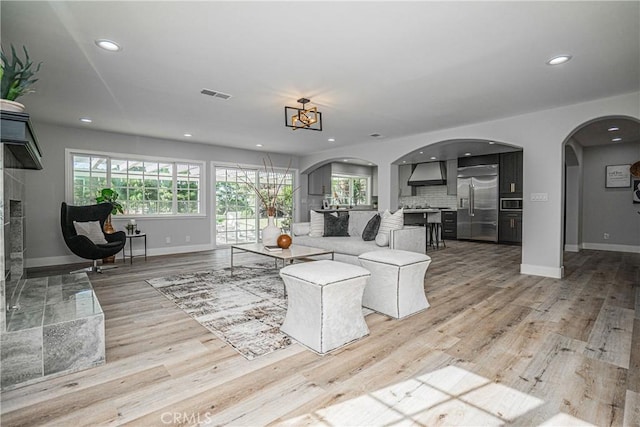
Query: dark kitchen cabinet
x=511 y=174
x=319 y=182
x=449 y=225
x=510 y=227
x=411 y=218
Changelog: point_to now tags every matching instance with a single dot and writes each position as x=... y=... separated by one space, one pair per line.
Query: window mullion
x=174 y=185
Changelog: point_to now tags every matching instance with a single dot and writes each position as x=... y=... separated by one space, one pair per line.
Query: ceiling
x=391 y=68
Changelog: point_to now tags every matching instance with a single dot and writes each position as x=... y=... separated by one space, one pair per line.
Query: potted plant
x=16 y=77
x=110 y=196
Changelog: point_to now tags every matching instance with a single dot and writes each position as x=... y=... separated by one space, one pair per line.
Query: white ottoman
x=396 y=287
x=324 y=308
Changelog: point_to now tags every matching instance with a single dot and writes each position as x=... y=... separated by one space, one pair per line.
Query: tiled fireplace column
x=49 y=326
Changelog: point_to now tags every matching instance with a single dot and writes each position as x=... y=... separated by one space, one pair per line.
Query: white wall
x=573 y=196
x=609 y=210
x=46 y=190
x=541 y=135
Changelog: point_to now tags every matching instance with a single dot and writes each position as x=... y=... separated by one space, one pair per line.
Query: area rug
x=245 y=309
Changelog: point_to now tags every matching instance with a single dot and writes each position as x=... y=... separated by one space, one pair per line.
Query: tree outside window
x=350 y=190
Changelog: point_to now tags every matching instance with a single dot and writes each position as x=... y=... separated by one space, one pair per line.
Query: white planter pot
x=6 y=105
x=270 y=233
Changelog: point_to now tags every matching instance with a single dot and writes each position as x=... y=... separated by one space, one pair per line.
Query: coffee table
x=294 y=252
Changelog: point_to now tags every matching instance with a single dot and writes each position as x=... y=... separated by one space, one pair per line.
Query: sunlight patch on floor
x=448 y=396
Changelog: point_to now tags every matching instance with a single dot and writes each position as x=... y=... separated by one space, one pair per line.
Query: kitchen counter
x=344 y=210
x=427 y=210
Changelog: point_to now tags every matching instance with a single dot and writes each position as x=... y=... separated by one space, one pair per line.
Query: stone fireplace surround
x=48 y=326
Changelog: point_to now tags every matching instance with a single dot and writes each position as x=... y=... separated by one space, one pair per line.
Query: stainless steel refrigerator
x=478 y=203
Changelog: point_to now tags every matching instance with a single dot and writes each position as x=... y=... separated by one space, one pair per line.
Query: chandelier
x=303 y=118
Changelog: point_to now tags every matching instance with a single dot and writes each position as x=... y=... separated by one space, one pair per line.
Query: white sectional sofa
x=347 y=249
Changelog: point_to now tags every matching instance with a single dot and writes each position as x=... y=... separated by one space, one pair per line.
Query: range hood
x=432 y=173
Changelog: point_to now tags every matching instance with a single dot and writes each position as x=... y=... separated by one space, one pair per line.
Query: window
x=144 y=186
x=350 y=190
x=240 y=214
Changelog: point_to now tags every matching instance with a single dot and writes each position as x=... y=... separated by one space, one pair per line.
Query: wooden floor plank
x=495 y=348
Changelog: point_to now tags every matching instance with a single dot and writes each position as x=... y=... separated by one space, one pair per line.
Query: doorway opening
x=239 y=213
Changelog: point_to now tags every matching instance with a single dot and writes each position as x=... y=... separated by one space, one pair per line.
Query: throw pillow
x=316 y=227
x=92 y=230
x=336 y=226
x=371 y=229
x=389 y=222
x=300 y=228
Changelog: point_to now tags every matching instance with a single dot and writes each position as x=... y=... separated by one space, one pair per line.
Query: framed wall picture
x=617 y=176
x=636 y=190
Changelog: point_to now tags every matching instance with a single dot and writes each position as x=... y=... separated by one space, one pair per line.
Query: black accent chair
x=82 y=245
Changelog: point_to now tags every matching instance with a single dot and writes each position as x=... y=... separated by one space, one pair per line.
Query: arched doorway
x=598 y=215
x=346 y=182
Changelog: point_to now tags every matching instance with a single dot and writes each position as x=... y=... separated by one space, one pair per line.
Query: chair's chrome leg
x=101 y=268
x=83 y=270
x=95 y=268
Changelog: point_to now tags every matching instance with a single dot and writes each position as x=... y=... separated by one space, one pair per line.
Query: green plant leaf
x=17 y=76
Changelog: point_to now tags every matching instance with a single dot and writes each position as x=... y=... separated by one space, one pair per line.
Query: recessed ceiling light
x=85 y=120
x=491 y=142
x=109 y=45
x=616 y=139
x=370 y=164
x=258 y=145
x=613 y=129
x=433 y=157
x=560 y=59
x=467 y=154
x=422 y=152
x=345 y=160
x=331 y=140
x=404 y=161
x=188 y=135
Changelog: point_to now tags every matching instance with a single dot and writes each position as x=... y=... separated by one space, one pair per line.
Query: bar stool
x=434 y=224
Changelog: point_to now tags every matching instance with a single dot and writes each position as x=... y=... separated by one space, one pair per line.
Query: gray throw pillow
x=371 y=229
x=336 y=226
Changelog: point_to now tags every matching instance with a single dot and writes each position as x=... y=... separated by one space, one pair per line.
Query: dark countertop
x=427 y=210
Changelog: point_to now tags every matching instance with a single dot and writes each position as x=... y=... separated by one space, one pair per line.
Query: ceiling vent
x=215 y=94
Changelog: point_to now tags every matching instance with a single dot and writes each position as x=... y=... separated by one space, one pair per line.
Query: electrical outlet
x=167 y=240
x=187 y=238
x=606 y=236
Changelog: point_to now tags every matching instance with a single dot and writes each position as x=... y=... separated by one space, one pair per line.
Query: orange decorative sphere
x=284 y=241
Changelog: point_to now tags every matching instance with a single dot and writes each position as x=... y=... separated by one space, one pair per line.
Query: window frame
x=202 y=188
x=351 y=179
x=295 y=178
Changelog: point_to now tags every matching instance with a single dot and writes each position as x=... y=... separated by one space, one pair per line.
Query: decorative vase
x=108 y=226
x=284 y=241
x=6 y=105
x=108 y=229
x=270 y=233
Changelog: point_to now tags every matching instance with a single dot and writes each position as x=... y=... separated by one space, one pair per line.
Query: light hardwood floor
x=495 y=347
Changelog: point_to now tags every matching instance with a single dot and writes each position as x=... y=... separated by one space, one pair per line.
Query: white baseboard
x=179 y=249
x=572 y=248
x=541 y=270
x=612 y=248
x=72 y=259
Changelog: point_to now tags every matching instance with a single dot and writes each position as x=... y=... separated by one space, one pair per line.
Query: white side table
x=130 y=238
